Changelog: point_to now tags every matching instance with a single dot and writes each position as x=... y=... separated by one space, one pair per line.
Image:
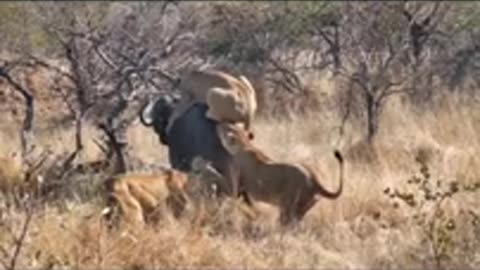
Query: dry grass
x=360 y=230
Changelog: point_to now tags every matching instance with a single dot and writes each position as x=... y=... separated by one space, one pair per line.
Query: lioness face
x=233 y=137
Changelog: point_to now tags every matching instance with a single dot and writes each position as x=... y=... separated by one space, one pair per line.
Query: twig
x=18 y=243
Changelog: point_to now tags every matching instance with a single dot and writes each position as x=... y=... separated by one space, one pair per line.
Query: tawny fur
x=140 y=195
x=229 y=99
x=293 y=188
x=203 y=167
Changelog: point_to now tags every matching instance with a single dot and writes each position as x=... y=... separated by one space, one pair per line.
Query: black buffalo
x=192 y=134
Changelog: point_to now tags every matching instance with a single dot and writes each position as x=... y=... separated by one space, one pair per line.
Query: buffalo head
x=192 y=134
x=155 y=114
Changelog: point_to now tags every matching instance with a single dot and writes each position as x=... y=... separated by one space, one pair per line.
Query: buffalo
x=191 y=135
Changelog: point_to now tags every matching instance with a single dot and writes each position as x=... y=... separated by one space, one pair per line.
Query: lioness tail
x=338 y=192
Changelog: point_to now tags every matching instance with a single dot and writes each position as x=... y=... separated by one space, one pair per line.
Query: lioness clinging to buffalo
x=229 y=99
x=293 y=188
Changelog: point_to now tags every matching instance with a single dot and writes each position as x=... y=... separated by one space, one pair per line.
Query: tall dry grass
x=363 y=229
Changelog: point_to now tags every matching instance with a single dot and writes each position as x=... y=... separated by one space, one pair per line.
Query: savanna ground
x=411 y=198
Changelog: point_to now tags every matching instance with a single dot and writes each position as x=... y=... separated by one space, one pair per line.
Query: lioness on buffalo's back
x=229 y=99
x=293 y=188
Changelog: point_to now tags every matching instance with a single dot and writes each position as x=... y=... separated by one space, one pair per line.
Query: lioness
x=291 y=187
x=229 y=99
x=139 y=194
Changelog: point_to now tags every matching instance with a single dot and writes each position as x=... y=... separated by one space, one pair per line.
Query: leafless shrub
x=427 y=198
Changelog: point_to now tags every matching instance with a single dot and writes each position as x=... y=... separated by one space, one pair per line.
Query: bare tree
x=323 y=22
x=423 y=21
x=421 y=26
x=114 y=67
x=375 y=53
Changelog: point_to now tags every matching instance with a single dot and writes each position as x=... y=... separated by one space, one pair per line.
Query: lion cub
x=229 y=99
x=293 y=188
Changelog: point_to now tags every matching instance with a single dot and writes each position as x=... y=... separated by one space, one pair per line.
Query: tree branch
x=29 y=109
x=18 y=243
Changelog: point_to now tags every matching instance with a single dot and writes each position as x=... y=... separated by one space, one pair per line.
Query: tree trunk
x=337 y=63
x=78 y=131
x=26 y=132
x=372 y=117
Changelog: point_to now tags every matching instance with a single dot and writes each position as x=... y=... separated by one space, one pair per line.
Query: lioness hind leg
x=294 y=212
x=288 y=212
x=302 y=209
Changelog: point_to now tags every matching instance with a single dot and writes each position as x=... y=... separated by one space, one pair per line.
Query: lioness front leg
x=131 y=208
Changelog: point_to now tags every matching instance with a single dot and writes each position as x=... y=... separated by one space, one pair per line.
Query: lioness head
x=233 y=137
